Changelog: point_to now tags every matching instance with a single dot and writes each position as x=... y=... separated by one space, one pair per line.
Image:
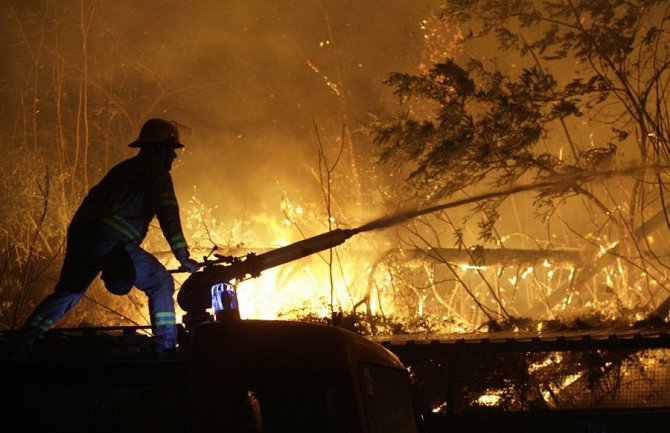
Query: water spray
x=558 y=181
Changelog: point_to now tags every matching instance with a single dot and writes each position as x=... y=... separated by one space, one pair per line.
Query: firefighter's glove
x=187 y=263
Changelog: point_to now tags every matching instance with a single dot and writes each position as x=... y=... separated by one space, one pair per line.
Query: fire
x=529 y=270
x=547 y=362
x=367 y=274
x=548 y=391
x=314 y=285
x=266 y=297
x=492 y=398
x=466 y=267
x=604 y=249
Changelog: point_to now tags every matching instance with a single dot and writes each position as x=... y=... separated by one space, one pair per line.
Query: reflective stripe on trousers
x=154 y=280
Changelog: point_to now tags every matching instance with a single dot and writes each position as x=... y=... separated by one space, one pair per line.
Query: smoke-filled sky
x=250 y=78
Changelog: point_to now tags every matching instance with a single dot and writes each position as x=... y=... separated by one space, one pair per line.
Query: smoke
x=249 y=78
x=271 y=70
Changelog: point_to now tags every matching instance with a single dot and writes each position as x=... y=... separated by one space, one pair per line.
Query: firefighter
x=105 y=236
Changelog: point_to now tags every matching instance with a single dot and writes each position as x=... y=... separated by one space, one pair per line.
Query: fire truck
x=229 y=375
x=235 y=376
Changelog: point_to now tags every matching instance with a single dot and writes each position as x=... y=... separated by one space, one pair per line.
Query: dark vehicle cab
x=274 y=376
x=229 y=376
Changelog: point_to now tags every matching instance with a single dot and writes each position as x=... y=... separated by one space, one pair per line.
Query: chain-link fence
x=481 y=376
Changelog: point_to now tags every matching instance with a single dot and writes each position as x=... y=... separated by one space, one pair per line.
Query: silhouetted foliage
x=469 y=120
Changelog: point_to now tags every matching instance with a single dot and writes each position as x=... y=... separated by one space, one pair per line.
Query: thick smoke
x=249 y=78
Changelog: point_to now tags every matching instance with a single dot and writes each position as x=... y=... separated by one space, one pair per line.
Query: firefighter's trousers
x=89 y=243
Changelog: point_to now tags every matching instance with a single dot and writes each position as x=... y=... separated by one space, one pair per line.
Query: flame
x=440 y=407
x=465 y=267
x=604 y=249
x=569 y=380
x=547 y=362
x=492 y=398
x=548 y=391
x=363 y=274
x=529 y=270
x=304 y=286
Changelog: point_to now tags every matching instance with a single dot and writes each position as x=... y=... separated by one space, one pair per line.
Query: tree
x=473 y=120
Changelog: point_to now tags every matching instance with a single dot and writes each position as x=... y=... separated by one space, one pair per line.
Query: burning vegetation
x=556 y=143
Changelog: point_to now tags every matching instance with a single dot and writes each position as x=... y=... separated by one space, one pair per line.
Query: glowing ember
x=549 y=361
x=440 y=408
x=492 y=398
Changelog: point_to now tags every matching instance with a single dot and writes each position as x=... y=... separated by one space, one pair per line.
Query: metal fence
x=479 y=376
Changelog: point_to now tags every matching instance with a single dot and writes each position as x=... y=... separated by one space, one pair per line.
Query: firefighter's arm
x=167 y=211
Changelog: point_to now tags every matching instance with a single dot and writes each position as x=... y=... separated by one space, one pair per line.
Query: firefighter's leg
x=45 y=315
x=153 y=279
x=83 y=260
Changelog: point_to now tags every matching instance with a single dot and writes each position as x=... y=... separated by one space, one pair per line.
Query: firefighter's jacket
x=129 y=197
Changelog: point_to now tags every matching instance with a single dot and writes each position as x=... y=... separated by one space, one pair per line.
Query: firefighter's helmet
x=158 y=132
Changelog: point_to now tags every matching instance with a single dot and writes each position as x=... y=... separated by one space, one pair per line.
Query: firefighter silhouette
x=105 y=236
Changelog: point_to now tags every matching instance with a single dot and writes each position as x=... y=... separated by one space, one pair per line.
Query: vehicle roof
x=297 y=337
